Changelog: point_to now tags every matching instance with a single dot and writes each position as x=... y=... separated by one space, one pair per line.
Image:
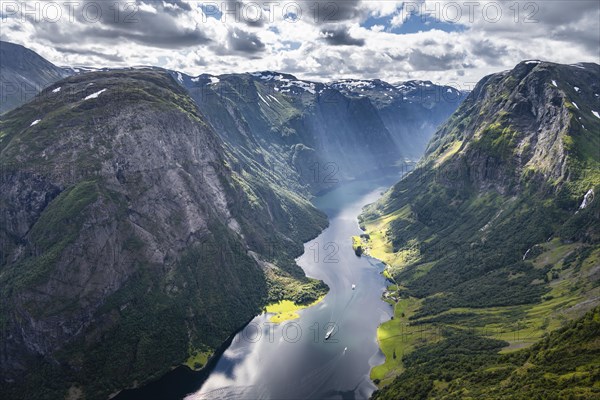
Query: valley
x=257 y=235
x=295 y=358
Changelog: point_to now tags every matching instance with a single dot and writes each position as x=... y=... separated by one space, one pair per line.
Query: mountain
x=24 y=74
x=495 y=234
x=313 y=134
x=298 y=127
x=148 y=215
x=130 y=243
x=320 y=133
x=411 y=111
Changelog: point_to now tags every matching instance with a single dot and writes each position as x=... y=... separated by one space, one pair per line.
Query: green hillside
x=490 y=236
x=129 y=243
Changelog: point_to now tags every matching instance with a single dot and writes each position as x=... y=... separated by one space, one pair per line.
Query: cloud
x=178 y=39
x=176 y=5
x=491 y=53
x=340 y=37
x=146 y=24
x=245 y=42
x=379 y=8
x=327 y=12
x=91 y=53
x=327 y=40
x=248 y=13
x=422 y=61
x=584 y=33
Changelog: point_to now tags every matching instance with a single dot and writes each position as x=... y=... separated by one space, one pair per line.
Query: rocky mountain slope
x=411 y=111
x=320 y=133
x=129 y=241
x=309 y=133
x=496 y=232
x=148 y=214
x=23 y=74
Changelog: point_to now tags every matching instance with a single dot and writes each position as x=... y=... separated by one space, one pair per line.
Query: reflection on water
x=294 y=360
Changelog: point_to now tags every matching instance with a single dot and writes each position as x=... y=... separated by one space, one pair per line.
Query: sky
x=447 y=42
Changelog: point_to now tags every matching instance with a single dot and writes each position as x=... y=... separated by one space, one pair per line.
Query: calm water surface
x=293 y=360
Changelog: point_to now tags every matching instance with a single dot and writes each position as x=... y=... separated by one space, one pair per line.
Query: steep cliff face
x=537 y=119
x=127 y=237
x=495 y=223
x=411 y=111
x=320 y=134
x=508 y=169
x=308 y=132
x=23 y=75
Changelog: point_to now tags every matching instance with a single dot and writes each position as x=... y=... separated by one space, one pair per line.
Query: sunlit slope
x=496 y=231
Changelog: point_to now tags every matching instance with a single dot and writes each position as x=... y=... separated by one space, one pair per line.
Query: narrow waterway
x=293 y=360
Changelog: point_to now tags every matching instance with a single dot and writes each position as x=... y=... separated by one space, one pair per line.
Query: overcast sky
x=450 y=42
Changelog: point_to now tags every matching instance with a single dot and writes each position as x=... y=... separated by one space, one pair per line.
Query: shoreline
x=189 y=380
x=287 y=310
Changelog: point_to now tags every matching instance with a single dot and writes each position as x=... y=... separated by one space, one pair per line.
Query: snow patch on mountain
x=275 y=98
x=262 y=98
x=351 y=84
x=95 y=95
x=306 y=86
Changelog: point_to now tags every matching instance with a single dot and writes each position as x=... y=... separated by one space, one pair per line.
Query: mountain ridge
x=408 y=115
x=488 y=236
x=124 y=242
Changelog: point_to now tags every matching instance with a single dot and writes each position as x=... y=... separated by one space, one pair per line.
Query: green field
x=198 y=359
x=287 y=310
x=571 y=293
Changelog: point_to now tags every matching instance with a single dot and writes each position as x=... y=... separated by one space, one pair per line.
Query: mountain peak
x=538 y=119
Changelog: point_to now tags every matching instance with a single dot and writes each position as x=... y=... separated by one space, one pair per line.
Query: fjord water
x=293 y=360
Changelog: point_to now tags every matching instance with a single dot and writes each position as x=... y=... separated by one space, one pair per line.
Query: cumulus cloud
x=422 y=61
x=320 y=40
x=325 y=12
x=245 y=42
x=491 y=53
x=91 y=53
x=340 y=37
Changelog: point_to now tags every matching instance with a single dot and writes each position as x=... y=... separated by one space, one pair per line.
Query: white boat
x=353 y=286
x=328 y=334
